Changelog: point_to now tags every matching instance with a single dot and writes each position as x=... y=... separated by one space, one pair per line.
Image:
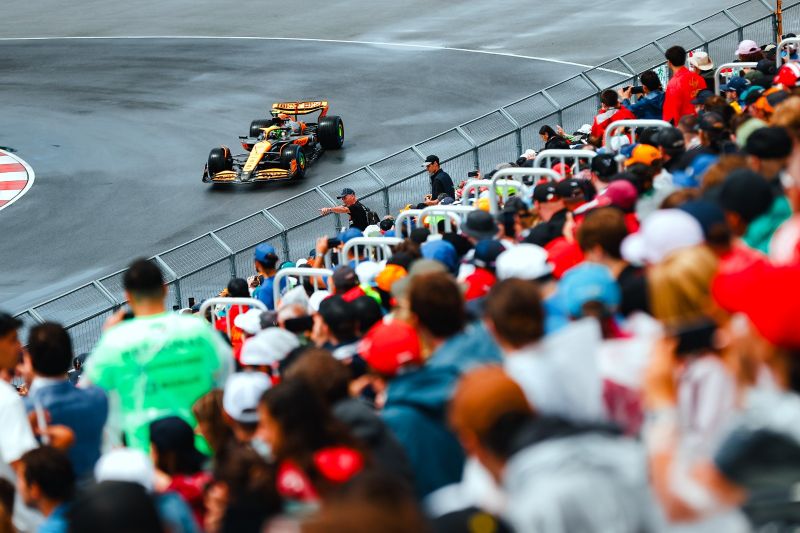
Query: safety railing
x=620 y=125
x=506 y=188
x=312 y=274
x=228 y=303
x=200 y=268
x=546 y=158
x=726 y=67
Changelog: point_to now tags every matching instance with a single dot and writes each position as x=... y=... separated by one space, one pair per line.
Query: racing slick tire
x=219 y=159
x=331 y=132
x=257 y=125
x=293 y=152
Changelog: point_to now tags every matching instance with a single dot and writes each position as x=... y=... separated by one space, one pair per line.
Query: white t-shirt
x=16 y=438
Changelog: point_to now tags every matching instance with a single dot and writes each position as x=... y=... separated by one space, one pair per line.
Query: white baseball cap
x=366 y=271
x=126 y=464
x=316 y=298
x=249 y=322
x=663 y=232
x=523 y=261
x=268 y=346
x=242 y=393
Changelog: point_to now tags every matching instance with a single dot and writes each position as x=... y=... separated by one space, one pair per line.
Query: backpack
x=372 y=216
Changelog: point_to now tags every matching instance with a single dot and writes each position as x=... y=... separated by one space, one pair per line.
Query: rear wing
x=300 y=108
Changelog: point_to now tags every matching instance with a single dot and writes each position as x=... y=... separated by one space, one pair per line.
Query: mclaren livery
x=279 y=148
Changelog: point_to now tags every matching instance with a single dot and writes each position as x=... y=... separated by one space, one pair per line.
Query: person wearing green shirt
x=155 y=364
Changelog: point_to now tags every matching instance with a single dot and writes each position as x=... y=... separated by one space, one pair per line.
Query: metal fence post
x=164 y=266
x=231 y=256
x=517 y=128
x=467 y=138
x=284 y=236
x=555 y=104
x=739 y=25
x=384 y=189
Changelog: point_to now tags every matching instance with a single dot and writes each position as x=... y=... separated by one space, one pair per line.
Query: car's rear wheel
x=294 y=153
x=257 y=125
x=331 y=132
x=219 y=159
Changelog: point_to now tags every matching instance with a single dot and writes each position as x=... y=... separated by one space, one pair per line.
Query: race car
x=279 y=148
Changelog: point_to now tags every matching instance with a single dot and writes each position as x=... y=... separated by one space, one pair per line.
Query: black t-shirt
x=442 y=183
x=358 y=216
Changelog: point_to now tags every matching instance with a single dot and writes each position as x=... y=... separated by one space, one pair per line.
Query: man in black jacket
x=440 y=180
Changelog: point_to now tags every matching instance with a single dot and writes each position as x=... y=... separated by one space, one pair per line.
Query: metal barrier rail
x=726 y=66
x=452 y=214
x=562 y=156
x=633 y=124
x=229 y=301
x=505 y=185
x=298 y=273
x=201 y=267
x=779 y=60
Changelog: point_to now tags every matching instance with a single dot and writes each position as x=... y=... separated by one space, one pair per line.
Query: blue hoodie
x=472 y=347
x=416 y=412
x=649 y=106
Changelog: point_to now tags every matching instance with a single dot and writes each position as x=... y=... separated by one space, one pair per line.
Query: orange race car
x=279 y=148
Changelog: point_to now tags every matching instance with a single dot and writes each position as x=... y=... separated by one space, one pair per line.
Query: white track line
x=341 y=41
x=31 y=178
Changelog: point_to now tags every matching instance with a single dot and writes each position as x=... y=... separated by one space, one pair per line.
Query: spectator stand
x=549 y=158
x=726 y=68
x=312 y=274
x=228 y=303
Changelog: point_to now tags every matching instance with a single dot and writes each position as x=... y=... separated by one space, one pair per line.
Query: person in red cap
x=415 y=404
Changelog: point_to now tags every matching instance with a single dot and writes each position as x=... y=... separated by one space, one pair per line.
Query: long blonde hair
x=680 y=286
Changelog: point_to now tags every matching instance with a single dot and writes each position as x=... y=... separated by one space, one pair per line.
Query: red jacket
x=681 y=90
x=605 y=117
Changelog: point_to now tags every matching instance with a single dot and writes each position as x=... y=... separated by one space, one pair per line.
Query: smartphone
x=473 y=174
x=695 y=337
x=333 y=242
x=191 y=301
x=637 y=90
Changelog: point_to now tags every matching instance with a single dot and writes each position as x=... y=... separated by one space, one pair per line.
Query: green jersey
x=157 y=366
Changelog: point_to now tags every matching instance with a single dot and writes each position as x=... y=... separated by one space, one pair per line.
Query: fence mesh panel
x=398 y=167
x=203 y=266
x=195 y=254
x=247 y=232
x=530 y=109
x=360 y=181
x=74 y=306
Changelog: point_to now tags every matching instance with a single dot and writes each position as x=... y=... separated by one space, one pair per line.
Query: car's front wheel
x=331 y=132
x=293 y=158
x=219 y=159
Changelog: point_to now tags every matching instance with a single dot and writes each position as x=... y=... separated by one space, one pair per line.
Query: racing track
x=118 y=130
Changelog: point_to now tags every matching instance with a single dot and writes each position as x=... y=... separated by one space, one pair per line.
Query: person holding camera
x=359 y=217
x=650 y=101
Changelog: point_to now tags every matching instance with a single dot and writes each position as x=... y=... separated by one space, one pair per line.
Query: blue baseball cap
x=264 y=251
x=441 y=251
x=737 y=83
x=351 y=233
x=588 y=282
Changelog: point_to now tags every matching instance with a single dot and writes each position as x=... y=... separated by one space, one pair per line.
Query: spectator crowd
x=616 y=350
